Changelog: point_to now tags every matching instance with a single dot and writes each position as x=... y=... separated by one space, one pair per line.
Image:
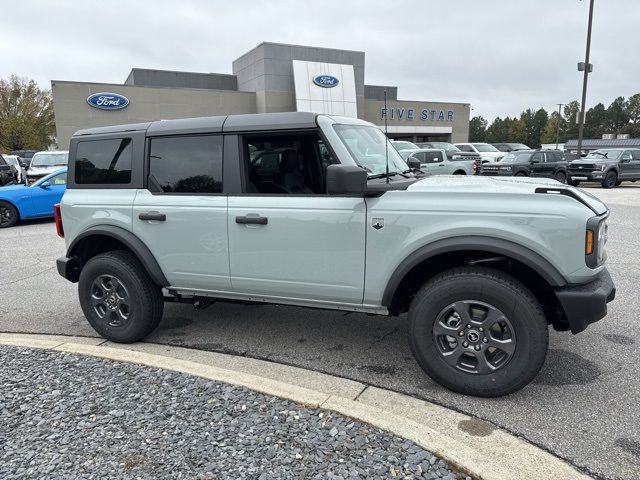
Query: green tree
x=498 y=131
x=617 y=115
x=595 y=123
x=517 y=131
x=571 y=110
x=26 y=115
x=478 y=129
x=550 y=129
x=633 y=109
x=535 y=123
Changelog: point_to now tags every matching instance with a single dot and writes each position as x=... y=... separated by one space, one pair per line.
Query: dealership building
x=271 y=77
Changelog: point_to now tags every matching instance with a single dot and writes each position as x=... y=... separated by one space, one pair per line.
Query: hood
x=44 y=170
x=11 y=189
x=504 y=185
x=588 y=161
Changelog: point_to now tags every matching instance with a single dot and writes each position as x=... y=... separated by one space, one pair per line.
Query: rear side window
x=186 y=164
x=101 y=162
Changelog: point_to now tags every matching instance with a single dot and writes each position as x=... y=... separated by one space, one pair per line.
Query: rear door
x=287 y=238
x=182 y=214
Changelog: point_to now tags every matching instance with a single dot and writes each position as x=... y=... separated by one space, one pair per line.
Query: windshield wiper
x=382 y=175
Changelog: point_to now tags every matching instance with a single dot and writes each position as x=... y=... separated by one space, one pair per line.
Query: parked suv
x=44 y=163
x=530 y=163
x=610 y=167
x=482 y=266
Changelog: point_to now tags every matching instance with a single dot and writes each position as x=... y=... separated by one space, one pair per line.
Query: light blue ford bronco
x=322 y=212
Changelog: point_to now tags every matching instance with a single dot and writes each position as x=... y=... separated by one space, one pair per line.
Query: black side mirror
x=413 y=163
x=346 y=180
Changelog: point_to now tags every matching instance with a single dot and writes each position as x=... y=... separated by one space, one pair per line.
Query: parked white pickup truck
x=436 y=162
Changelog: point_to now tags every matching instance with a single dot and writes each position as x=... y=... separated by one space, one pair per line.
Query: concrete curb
x=471 y=445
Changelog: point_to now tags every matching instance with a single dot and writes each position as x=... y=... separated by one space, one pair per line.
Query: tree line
x=535 y=127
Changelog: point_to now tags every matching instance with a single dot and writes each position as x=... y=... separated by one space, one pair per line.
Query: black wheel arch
x=102 y=238
x=469 y=250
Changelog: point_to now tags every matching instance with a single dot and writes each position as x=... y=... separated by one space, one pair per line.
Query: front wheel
x=478 y=331
x=521 y=174
x=118 y=297
x=8 y=215
x=610 y=180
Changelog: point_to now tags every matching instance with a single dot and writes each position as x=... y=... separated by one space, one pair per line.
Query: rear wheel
x=610 y=180
x=561 y=177
x=478 y=331
x=8 y=215
x=118 y=297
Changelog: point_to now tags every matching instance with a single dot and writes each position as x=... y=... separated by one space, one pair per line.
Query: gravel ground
x=65 y=416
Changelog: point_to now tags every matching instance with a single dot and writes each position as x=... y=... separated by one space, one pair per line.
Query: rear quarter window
x=103 y=162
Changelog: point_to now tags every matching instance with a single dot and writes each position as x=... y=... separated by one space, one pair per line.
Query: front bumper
x=595 y=176
x=586 y=304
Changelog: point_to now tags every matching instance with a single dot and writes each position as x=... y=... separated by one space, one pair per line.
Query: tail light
x=58 y=218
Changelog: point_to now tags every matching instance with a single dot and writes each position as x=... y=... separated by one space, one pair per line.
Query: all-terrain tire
x=610 y=180
x=490 y=287
x=145 y=302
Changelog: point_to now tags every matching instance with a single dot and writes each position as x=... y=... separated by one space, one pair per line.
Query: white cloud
x=501 y=56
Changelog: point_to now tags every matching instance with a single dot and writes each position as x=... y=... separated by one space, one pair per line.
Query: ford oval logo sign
x=326 y=81
x=107 y=101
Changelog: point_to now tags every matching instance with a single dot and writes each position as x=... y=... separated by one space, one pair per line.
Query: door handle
x=157 y=216
x=252 y=220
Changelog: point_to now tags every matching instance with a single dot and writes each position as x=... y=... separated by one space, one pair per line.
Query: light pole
x=587 y=68
x=558 y=124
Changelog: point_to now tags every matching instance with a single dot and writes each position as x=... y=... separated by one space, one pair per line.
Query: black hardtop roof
x=224 y=123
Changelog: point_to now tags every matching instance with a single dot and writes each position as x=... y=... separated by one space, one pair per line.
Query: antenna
x=386 y=139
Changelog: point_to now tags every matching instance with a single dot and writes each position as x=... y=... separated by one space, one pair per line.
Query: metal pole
x=584 y=82
x=558 y=124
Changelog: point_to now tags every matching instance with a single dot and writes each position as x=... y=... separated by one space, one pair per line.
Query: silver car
x=44 y=163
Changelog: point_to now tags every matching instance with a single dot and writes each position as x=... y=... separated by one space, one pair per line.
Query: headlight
x=602 y=168
x=596 y=241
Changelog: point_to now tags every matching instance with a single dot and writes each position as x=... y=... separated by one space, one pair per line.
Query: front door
x=628 y=166
x=182 y=215
x=287 y=238
x=538 y=166
x=43 y=198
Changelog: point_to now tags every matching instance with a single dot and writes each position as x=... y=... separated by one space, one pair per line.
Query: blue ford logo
x=326 y=81
x=107 y=101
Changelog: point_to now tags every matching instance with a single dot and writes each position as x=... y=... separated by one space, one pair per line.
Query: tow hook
x=200 y=303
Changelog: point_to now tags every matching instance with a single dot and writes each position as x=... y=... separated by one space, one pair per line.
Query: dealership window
x=186 y=164
x=103 y=162
x=286 y=164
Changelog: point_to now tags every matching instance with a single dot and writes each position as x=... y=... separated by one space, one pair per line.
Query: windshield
x=600 y=154
x=483 y=147
x=400 y=145
x=12 y=160
x=49 y=159
x=515 y=157
x=367 y=148
x=519 y=146
x=447 y=147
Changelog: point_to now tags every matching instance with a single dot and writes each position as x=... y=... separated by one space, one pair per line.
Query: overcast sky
x=501 y=56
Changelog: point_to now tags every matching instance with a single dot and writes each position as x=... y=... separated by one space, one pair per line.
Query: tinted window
x=433 y=157
x=2 y=162
x=537 y=157
x=187 y=164
x=287 y=164
x=636 y=154
x=626 y=156
x=103 y=162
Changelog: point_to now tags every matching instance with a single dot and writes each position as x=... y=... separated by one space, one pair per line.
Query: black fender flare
x=137 y=246
x=479 y=243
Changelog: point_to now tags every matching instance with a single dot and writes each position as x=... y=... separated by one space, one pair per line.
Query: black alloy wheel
x=8 y=215
x=610 y=180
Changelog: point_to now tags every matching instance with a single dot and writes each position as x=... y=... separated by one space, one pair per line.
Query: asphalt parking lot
x=583 y=406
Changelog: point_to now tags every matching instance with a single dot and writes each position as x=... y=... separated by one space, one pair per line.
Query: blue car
x=20 y=202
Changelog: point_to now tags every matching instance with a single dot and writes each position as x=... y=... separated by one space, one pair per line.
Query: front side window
x=186 y=164
x=286 y=164
x=433 y=157
x=537 y=157
x=103 y=162
x=627 y=156
x=369 y=148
